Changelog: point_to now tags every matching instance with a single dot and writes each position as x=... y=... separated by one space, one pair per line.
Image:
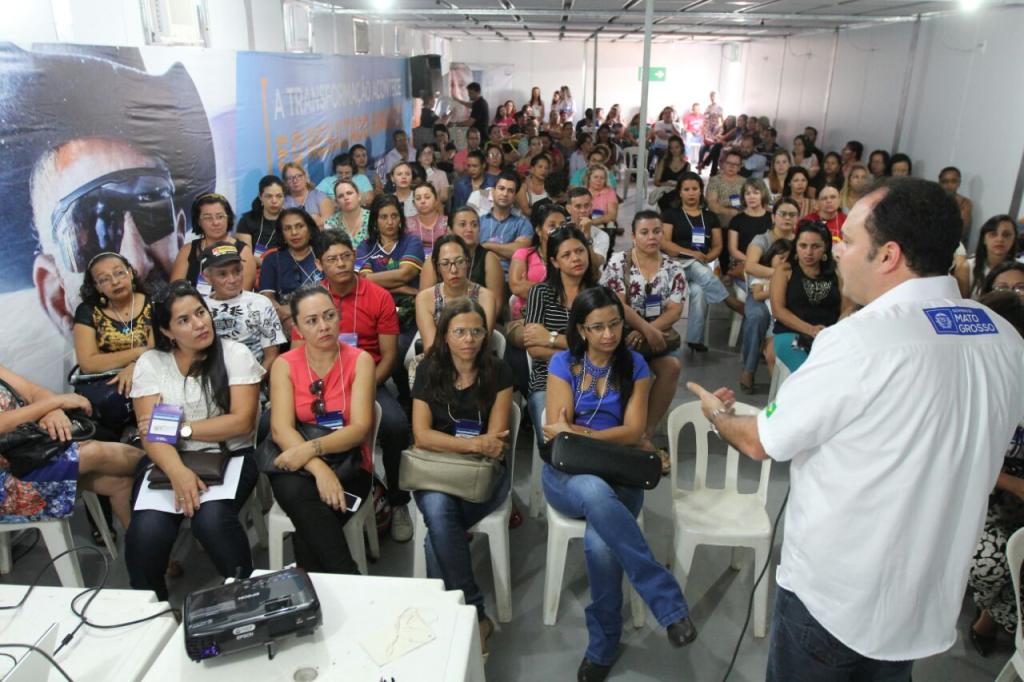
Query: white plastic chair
x=362 y=522
x=494 y=526
x=562 y=529
x=1014 y=668
x=719 y=516
x=537 y=464
x=630 y=158
x=779 y=375
x=737 y=319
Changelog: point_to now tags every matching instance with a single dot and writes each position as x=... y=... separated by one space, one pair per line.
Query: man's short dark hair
x=645 y=214
x=394 y=135
x=856 y=147
x=478 y=155
x=340 y=160
x=950 y=169
x=440 y=128
x=919 y=216
x=331 y=237
x=511 y=176
x=578 y=192
x=555 y=184
x=747 y=136
x=473 y=87
x=811 y=128
x=490 y=128
x=732 y=152
x=772 y=131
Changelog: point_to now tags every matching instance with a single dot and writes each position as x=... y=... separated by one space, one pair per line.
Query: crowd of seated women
x=384 y=285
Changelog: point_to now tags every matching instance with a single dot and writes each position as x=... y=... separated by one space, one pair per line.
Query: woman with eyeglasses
x=494 y=160
x=461 y=404
x=450 y=262
x=568 y=273
x=113 y=328
x=598 y=388
x=351 y=217
x=331 y=384
x=291 y=264
x=212 y=219
x=210 y=388
x=805 y=294
x=757 y=317
x=301 y=193
x=258 y=226
x=997 y=244
x=429 y=224
x=1007 y=276
x=484 y=266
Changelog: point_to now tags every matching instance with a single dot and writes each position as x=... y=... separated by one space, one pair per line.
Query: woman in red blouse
x=329 y=383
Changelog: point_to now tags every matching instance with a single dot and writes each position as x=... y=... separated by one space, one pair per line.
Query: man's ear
x=50 y=289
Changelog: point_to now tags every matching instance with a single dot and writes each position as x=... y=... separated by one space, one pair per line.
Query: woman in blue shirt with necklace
x=598 y=388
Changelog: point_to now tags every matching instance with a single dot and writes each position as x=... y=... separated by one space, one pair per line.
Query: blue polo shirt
x=504 y=231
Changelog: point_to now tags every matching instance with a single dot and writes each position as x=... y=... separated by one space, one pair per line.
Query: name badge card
x=468 y=428
x=652 y=306
x=699 y=235
x=349 y=338
x=259 y=250
x=734 y=201
x=202 y=286
x=331 y=420
x=164 y=424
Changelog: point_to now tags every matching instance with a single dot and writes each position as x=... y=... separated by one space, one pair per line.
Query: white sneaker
x=401 y=524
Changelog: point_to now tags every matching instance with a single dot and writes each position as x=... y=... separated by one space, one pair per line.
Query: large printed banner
x=105 y=149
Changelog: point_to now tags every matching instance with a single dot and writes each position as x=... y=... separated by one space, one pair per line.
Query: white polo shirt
x=896 y=426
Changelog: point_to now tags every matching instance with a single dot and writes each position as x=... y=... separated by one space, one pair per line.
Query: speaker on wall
x=425 y=76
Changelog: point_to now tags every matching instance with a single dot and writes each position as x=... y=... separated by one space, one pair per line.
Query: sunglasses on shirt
x=91 y=219
x=317 y=389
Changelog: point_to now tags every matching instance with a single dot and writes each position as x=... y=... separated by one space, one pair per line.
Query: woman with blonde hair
x=300 y=192
x=856 y=186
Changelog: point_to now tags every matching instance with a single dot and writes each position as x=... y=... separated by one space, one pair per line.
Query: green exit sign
x=656 y=73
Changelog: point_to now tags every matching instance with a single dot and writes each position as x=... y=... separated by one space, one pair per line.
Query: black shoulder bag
x=345 y=465
x=29 y=445
x=622 y=465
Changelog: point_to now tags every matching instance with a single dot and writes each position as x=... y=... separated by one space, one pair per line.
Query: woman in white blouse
x=213 y=384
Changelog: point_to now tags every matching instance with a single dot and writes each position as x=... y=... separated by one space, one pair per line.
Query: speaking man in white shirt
x=896 y=428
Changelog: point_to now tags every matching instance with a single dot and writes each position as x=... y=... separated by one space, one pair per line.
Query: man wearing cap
x=240 y=315
x=896 y=428
x=368 y=320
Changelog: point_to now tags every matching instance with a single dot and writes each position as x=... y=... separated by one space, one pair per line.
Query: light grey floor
x=525 y=650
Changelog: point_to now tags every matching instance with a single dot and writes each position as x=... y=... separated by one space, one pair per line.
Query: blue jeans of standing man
x=756 y=320
x=448 y=518
x=613 y=542
x=802 y=650
x=704 y=287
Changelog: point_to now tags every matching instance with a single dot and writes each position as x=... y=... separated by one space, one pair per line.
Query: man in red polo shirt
x=369 y=321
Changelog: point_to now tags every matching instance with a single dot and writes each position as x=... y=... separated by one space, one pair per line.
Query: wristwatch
x=552 y=337
x=186 y=431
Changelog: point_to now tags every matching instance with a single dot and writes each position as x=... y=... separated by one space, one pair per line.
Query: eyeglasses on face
x=104 y=281
x=602 y=327
x=787 y=214
x=91 y=219
x=1003 y=286
x=474 y=332
x=453 y=264
x=339 y=258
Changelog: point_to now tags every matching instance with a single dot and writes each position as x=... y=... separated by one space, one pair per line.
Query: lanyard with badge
x=652 y=299
x=318 y=387
x=699 y=236
x=467 y=428
x=352 y=338
x=166 y=419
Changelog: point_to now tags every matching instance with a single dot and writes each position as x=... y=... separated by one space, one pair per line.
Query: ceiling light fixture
x=970 y=5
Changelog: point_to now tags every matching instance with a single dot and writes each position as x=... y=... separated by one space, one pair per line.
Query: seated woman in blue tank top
x=805 y=294
x=598 y=388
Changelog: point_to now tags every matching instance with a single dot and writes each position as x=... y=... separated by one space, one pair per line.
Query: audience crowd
x=439 y=283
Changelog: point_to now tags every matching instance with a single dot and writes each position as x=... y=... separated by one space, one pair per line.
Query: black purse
x=345 y=465
x=208 y=464
x=29 y=445
x=622 y=465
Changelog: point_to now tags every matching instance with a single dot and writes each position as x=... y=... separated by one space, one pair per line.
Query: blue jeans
x=612 y=543
x=756 y=320
x=151 y=535
x=802 y=650
x=791 y=357
x=704 y=287
x=448 y=518
x=393 y=436
x=693 y=145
